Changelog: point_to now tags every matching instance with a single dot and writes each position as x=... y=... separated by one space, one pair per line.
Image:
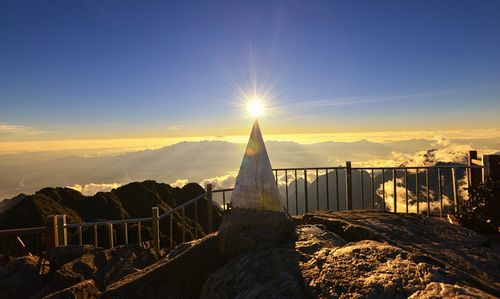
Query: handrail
x=134 y=220
x=27 y=230
x=417 y=167
x=311 y=198
x=222 y=190
x=167 y=213
x=104 y=222
x=378 y=167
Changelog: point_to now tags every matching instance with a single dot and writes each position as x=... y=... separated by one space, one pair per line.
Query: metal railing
x=112 y=226
x=303 y=190
x=306 y=189
x=346 y=188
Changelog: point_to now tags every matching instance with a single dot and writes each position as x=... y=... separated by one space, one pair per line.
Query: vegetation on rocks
x=480 y=212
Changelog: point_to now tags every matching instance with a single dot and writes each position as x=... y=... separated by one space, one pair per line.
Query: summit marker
x=255 y=186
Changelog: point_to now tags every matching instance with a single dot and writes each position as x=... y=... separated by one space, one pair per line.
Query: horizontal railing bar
x=27 y=230
x=182 y=205
x=477 y=162
x=309 y=168
x=418 y=167
x=118 y=221
x=222 y=190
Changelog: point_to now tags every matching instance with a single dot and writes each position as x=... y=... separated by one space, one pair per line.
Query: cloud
x=174 y=128
x=444 y=151
x=412 y=200
x=221 y=182
x=179 y=183
x=92 y=188
x=347 y=101
x=9 y=129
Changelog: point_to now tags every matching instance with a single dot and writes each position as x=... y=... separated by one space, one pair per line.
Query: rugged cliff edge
x=357 y=254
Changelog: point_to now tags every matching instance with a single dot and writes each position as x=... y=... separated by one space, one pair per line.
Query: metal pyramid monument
x=255 y=186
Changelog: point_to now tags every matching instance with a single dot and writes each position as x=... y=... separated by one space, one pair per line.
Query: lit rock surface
x=357 y=254
x=436 y=290
x=255 y=186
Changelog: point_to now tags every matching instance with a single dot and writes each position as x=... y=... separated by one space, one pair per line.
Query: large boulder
x=462 y=253
x=21 y=278
x=437 y=290
x=267 y=273
x=243 y=230
x=180 y=276
x=102 y=266
x=82 y=290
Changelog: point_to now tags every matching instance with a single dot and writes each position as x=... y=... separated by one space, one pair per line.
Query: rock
x=20 y=278
x=461 y=252
x=104 y=267
x=262 y=254
x=368 y=269
x=268 y=273
x=437 y=290
x=83 y=290
x=180 y=277
x=243 y=230
x=312 y=238
x=64 y=254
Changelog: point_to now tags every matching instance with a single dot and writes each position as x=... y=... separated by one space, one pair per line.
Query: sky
x=135 y=73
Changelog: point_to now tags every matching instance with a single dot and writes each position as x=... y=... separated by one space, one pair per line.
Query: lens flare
x=255 y=107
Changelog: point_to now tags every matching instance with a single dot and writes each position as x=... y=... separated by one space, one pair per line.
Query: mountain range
x=199 y=161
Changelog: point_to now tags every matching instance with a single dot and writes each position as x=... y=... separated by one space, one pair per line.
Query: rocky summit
x=355 y=254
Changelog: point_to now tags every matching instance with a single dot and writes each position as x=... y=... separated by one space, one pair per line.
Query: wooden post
x=96 y=243
x=348 y=187
x=155 y=215
x=139 y=235
x=306 y=198
x=475 y=176
x=110 y=235
x=52 y=235
x=61 y=230
x=394 y=176
x=80 y=236
x=125 y=233
x=210 y=211
x=491 y=167
x=454 y=183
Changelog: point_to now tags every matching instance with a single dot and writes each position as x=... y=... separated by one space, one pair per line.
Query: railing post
x=80 y=236
x=52 y=235
x=475 y=173
x=348 y=180
x=454 y=186
x=394 y=176
x=491 y=167
x=210 y=211
x=306 y=198
x=125 y=233
x=155 y=215
x=61 y=230
x=110 y=235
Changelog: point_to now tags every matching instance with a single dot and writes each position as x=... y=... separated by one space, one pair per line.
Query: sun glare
x=255 y=107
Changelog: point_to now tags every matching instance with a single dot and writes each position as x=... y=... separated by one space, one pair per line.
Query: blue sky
x=109 y=69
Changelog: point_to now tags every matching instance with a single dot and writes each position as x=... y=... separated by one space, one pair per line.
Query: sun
x=255 y=107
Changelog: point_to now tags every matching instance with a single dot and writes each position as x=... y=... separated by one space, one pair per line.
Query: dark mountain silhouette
x=365 y=195
x=130 y=201
x=194 y=161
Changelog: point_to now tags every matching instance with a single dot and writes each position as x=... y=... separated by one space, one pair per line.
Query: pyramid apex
x=255 y=186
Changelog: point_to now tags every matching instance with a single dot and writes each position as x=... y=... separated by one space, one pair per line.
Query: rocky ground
x=357 y=254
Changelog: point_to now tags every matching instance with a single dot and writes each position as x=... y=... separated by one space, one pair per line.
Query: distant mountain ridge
x=130 y=201
x=192 y=161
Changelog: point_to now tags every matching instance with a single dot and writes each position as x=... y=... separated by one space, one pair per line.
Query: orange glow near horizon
x=119 y=145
